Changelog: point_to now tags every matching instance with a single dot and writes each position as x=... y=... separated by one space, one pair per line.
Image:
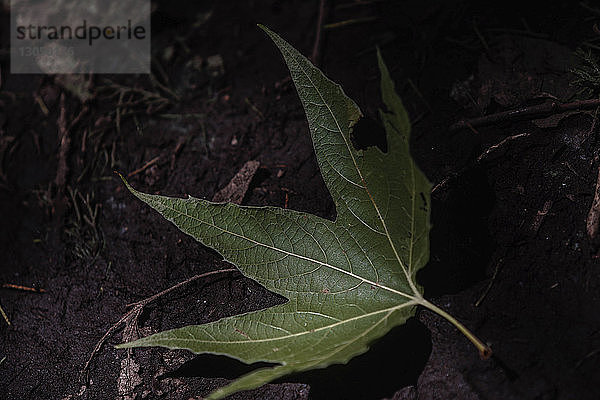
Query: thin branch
x=489 y=286
x=317 y=45
x=540 y=216
x=495 y=147
x=150 y=299
x=131 y=316
x=482 y=156
x=64 y=139
x=4 y=316
x=22 y=288
x=531 y=112
x=144 y=167
x=593 y=217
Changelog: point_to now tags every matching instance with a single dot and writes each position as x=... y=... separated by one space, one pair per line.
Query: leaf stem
x=484 y=350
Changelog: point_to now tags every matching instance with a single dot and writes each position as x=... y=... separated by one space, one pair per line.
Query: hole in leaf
x=368 y=132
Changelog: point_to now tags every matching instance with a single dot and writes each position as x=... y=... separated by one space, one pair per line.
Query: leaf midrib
x=389 y=310
x=364 y=280
x=312 y=363
x=364 y=183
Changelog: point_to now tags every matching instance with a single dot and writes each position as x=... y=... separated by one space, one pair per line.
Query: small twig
x=65 y=144
x=137 y=308
x=65 y=141
x=143 y=303
x=517 y=32
x=482 y=156
x=489 y=286
x=587 y=356
x=317 y=45
x=539 y=217
x=287 y=196
x=357 y=3
x=348 y=22
x=144 y=167
x=495 y=147
x=42 y=105
x=475 y=131
x=418 y=92
x=5 y=316
x=570 y=167
x=23 y=288
x=540 y=110
x=166 y=89
x=594 y=121
x=146 y=94
x=444 y=182
x=593 y=217
x=589 y=8
x=180 y=142
x=108 y=333
x=118 y=112
x=76 y=120
x=254 y=108
x=481 y=38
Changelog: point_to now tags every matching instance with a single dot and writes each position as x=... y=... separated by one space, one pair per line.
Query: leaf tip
x=132 y=344
x=127 y=345
x=264 y=28
x=379 y=57
x=127 y=185
x=120 y=175
x=383 y=69
x=274 y=37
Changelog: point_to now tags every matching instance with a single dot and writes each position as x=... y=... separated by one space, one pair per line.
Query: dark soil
x=515 y=221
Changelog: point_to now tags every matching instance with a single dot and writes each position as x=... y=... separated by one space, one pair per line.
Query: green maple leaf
x=348 y=281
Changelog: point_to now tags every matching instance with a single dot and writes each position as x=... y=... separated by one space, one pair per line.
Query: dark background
x=68 y=226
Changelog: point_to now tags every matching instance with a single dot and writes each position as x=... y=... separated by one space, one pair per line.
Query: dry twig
x=593 y=217
x=131 y=317
x=317 y=45
x=23 y=288
x=4 y=316
x=233 y=192
x=539 y=217
x=498 y=145
x=536 y=111
x=144 y=167
x=180 y=143
x=479 y=159
x=64 y=131
x=489 y=286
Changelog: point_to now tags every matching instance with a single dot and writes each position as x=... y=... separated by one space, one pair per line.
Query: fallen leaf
x=348 y=281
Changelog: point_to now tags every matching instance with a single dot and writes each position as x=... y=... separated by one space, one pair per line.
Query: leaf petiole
x=485 y=351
